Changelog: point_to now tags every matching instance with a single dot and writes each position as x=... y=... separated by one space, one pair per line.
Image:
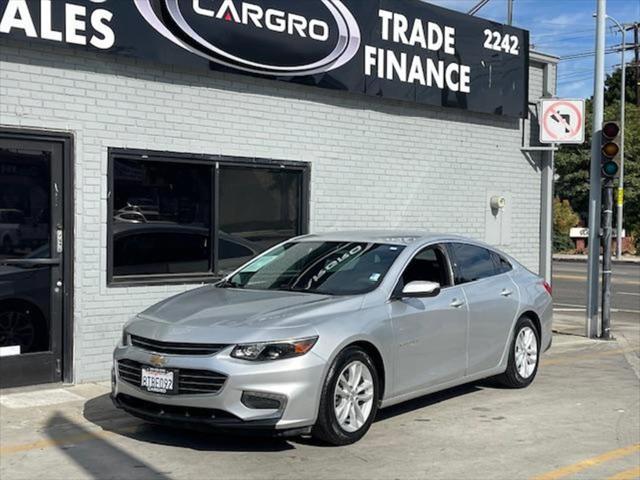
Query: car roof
x=396 y=237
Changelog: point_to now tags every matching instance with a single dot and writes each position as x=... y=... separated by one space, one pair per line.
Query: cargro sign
x=402 y=49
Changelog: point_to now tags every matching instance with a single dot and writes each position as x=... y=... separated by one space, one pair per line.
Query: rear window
x=502 y=264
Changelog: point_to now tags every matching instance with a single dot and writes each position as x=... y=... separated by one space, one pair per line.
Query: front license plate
x=157 y=380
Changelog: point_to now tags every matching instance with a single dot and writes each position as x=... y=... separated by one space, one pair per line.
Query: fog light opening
x=263 y=401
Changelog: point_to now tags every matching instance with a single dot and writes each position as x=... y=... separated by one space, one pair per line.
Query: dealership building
x=136 y=163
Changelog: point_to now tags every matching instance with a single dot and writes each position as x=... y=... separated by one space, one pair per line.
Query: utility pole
x=637 y=61
x=509 y=12
x=595 y=191
x=623 y=90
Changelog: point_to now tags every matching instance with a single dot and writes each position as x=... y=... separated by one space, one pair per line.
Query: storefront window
x=163 y=214
x=258 y=209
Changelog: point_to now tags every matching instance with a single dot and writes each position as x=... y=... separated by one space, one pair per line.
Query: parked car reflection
x=165 y=247
x=24 y=304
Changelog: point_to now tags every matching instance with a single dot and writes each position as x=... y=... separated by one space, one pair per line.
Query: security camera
x=498 y=202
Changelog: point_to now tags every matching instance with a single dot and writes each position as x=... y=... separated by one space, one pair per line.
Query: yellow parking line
x=631 y=474
x=68 y=440
x=587 y=356
x=588 y=463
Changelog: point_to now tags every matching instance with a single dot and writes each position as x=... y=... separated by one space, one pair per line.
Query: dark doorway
x=34 y=243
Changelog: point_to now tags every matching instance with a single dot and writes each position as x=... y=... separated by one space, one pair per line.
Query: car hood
x=228 y=315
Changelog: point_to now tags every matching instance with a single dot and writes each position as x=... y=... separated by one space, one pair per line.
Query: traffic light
x=610 y=149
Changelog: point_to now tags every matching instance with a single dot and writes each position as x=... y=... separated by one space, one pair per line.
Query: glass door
x=31 y=248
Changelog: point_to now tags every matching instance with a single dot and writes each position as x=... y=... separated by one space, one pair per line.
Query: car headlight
x=273 y=350
x=125 y=338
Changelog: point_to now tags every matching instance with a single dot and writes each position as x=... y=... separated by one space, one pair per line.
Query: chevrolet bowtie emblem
x=158 y=360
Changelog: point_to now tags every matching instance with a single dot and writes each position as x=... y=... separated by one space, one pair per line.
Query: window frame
x=215 y=162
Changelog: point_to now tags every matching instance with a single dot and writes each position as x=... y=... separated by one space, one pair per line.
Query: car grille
x=193 y=414
x=176 y=348
x=189 y=381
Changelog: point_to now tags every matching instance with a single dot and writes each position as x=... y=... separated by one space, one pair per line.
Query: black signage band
x=400 y=49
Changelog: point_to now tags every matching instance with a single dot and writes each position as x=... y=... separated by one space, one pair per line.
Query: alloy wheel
x=16 y=328
x=353 y=396
x=526 y=353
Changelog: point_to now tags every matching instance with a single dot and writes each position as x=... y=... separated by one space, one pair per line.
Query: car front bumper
x=297 y=380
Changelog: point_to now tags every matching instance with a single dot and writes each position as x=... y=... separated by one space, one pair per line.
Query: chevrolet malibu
x=319 y=332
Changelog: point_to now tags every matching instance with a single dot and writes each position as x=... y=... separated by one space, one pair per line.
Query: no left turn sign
x=562 y=121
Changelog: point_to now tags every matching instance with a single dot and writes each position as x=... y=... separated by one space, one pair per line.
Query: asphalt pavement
x=570 y=290
x=580 y=419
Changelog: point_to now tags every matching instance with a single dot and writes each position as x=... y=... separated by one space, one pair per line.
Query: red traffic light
x=610 y=130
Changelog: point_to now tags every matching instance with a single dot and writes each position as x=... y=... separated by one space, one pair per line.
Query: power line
x=561 y=34
x=589 y=54
x=561 y=40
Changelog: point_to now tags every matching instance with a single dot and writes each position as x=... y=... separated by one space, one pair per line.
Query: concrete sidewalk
x=579 y=419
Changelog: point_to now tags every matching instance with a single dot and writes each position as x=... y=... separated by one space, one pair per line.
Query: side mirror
x=420 y=288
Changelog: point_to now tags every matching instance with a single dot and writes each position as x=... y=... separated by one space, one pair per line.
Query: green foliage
x=572 y=161
x=562 y=243
x=612 y=87
x=564 y=219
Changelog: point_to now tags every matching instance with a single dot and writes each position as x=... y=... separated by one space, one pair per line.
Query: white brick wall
x=375 y=163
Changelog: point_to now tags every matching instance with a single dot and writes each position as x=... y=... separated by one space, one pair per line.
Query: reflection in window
x=161 y=217
x=259 y=208
x=25 y=229
x=25 y=223
x=474 y=263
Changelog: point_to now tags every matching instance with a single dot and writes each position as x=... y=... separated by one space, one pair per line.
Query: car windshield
x=329 y=268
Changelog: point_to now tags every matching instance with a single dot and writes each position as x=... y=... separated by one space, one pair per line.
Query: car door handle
x=506 y=292
x=455 y=303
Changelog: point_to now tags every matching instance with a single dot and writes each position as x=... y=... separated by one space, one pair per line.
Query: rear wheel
x=523 y=356
x=349 y=401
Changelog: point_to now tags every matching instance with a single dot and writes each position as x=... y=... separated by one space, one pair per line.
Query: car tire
x=334 y=400
x=25 y=326
x=522 y=366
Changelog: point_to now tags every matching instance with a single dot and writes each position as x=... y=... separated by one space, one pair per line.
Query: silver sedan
x=318 y=333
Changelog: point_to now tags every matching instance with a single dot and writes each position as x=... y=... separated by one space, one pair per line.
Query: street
x=579 y=419
x=569 y=290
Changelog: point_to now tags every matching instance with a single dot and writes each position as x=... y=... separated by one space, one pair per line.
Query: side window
x=428 y=265
x=501 y=263
x=471 y=263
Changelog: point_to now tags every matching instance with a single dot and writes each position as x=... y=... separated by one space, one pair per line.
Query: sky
x=562 y=28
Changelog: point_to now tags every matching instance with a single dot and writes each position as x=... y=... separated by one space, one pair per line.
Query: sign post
x=595 y=179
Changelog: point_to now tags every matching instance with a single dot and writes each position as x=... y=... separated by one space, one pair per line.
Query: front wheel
x=349 y=401
x=524 y=355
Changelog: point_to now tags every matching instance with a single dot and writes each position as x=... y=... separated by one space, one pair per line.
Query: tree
x=572 y=161
x=612 y=87
x=564 y=219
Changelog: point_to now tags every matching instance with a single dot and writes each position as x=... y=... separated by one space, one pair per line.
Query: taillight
x=547 y=287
